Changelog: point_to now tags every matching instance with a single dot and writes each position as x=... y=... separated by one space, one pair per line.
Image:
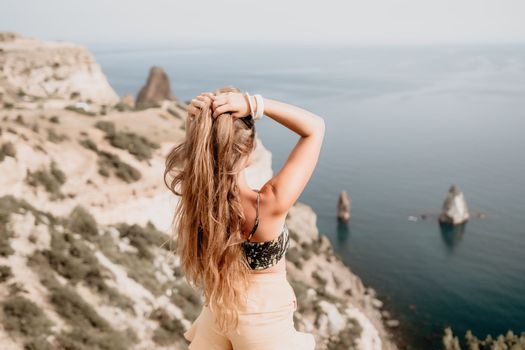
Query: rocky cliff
x=84 y=216
x=36 y=71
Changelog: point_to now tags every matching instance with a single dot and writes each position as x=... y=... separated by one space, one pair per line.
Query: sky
x=332 y=22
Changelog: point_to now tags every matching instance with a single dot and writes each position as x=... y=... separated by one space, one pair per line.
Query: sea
x=403 y=124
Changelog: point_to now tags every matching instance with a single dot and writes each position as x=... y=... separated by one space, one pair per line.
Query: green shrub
x=293 y=235
x=300 y=290
x=52 y=180
x=24 y=317
x=187 y=298
x=347 y=338
x=88 y=338
x=38 y=344
x=141 y=270
x=5 y=243
x=20 y=120
x=137 y=268
x=73 y=259
x=136 y=145
x=74 y=309
x=89 y=144
x=10 y=204
x=318 y=278
x=89 y=329
x=306 y=250
x=142 y=238
x=81 y=111
x=323 y=294
x=170 y=330
x=6 y=232
x=54 y=119
x=107 y=127
x=7 y=150
x=52 y=136
x=294 y=256
x=81 y=221
x=5 y=273
x=317 y=244
x=111 y=163
x=57 y=173
x=177 y=272
x=174 y=113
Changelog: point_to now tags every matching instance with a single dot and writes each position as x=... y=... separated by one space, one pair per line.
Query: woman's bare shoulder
x=270 y=220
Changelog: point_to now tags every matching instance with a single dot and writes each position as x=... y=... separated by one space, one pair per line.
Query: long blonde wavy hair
x=209 y=217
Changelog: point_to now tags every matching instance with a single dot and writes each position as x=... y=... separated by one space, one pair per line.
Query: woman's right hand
x=235 y=103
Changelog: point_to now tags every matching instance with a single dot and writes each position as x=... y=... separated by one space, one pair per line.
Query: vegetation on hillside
x=51 y=179
x=135 y=144
x=109 y=163
x=509 y=341
x=71 y=261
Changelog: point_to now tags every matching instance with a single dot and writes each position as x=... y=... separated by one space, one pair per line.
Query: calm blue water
x=403 y=124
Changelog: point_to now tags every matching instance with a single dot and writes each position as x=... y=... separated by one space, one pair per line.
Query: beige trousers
x=266 y=324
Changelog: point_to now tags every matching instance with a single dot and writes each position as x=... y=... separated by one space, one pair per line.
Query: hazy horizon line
x=148 y=44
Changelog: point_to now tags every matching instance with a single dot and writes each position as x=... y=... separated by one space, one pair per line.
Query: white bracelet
x=249 y=103
x=260 y=107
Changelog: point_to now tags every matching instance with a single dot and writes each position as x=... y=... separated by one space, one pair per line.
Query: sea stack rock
x=156 y=90
x=343 y=206
x=455 y=210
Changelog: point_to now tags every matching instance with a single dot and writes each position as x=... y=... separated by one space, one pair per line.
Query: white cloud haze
x=277 y=21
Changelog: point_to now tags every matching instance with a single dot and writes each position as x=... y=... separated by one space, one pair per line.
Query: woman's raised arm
x=288 y=184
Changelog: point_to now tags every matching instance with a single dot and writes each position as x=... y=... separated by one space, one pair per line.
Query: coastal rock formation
x=343 y=207
x=31 y=69
x=85 y=255
x=156 y=90
x=454 y=210
x=128 y=101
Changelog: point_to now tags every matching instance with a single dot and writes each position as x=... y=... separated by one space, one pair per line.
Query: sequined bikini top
x=262 y=255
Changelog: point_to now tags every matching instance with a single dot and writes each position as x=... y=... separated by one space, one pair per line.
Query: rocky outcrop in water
x=454 y=210
x=35 y=70
x=156 y=90
x=343 y=207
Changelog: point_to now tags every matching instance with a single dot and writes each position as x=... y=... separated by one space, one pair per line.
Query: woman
x=232 y=239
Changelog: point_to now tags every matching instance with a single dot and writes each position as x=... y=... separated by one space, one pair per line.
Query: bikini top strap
x=256 y=217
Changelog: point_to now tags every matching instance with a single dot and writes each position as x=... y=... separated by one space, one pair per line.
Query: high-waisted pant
x=267 y=323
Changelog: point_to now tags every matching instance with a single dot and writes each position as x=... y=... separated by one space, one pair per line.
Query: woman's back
x=279 y=193
x=267 y=238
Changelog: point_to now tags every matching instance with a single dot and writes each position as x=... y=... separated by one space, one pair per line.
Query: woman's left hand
x=231 y=102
